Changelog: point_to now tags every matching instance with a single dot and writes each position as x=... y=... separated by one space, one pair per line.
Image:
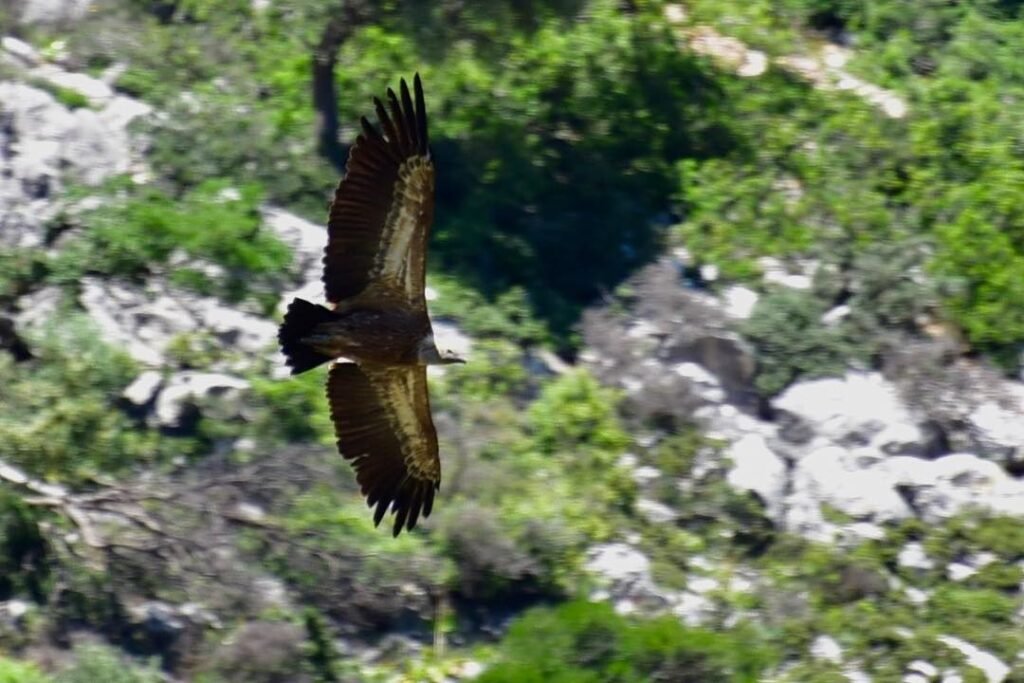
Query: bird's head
x=449 y=357
x=430 y=355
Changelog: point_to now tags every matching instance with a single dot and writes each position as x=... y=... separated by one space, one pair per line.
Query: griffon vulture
x=376 y=320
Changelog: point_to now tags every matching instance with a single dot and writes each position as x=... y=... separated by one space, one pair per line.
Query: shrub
x=588 y=642
x=574 y=414
x=13 y=671
x=790 y=341
x=985 y=263
x=495 y=369
x=139 y=230
x=72 y=99
x=371 y=581
x=263 y=652
x=490 y=562
x=509 y=317
x=292 y=410
x=19 y=269
x=889 y=294
x=61 y=418
x=98 y=663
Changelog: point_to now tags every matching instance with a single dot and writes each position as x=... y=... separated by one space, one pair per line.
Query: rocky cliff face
x=837 y=460
x=863 y=443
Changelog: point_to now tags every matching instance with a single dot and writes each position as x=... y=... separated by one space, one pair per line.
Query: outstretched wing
x=382 y=420
x=383 y=207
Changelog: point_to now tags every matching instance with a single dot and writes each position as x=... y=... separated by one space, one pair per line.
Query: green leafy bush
x=581 y=641
x=293 y=409
x=790 y=341
x=19 y=270
x=98 y=663
x=72 y=99
x=141 y=229
x=371 y=580
x=13 y=671
x=61 y=418
x=508 y=317
x=575 y=414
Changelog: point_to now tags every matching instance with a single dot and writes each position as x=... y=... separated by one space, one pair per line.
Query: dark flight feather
x=382 y=421
x=383 y=207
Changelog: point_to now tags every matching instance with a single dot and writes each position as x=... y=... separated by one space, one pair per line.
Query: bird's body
x=374 y=279
x=373 y=336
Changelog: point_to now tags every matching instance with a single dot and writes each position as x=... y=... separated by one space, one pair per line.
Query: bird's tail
x=299 y=322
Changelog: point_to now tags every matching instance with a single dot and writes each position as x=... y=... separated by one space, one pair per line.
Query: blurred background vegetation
x=577 y=141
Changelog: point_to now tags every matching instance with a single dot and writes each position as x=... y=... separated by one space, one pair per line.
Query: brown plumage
x=374 y=279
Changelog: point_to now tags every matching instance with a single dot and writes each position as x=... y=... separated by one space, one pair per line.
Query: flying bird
x=376 y=324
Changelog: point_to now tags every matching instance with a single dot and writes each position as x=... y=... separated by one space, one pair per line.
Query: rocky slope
x=839 y=460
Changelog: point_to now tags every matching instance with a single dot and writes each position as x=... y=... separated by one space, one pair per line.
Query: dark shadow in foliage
x=564 y=204
x=24 y=553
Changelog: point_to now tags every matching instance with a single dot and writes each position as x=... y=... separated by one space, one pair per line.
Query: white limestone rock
x=993 y=668
x=187 y=391
x=861 y=408
x=755 y=467
x=913 y=556
x=144 y=321
x=827 y=649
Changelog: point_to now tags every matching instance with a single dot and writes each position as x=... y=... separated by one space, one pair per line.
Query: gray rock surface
x=859 y=409
x=53 y=11
x=625 y=574
x=144 y=321
x=44 y=145
x=186 y=393
x=756 y=468
x=997 y=427
x=144 y=388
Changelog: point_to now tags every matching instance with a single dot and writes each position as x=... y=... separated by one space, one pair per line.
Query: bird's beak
x=453 y=359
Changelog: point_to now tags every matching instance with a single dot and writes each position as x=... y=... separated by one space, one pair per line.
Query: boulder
x=738 y=301
x=19 y=52
x=701 y=382
x=756 y=468
x=144 y=321
x=186 y=393
x=728 y=423
x=46 y=145
x=619 y=563
x=913 y=556
x=829 y=476
x=827 y=649
x=951 y=484
x=143 y=388
x=722 y=354
x=775 y=272
x=997 y=428
x=305 y=239
x=96 y=91
x=993 y=668
x=655 y=512
x=860 y=409
x=36 y=307
x=53 y=11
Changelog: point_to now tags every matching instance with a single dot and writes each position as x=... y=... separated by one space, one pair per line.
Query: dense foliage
x=586 y=642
